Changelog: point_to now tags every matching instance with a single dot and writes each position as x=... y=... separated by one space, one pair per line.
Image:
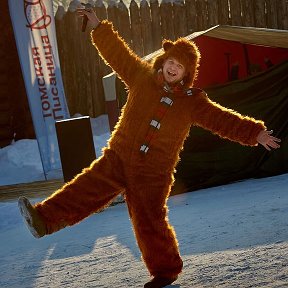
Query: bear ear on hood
x=167 y=44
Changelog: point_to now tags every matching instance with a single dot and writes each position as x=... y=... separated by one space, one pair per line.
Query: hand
x=264 y=138
x=90 y=14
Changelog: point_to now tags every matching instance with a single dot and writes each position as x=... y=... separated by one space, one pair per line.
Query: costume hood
x=186 y=52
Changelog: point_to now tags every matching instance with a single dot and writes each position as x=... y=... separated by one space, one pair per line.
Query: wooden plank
x=223 y=12
x=180 y=26
x=259 y=13
x=166 y=12
x=34 y=190
x=235 y=8
x=68 y=67
x=272 y=19
x=202 y=14
x=146 y=27
x=248 y=13
x=103 y=69
x=112 y=13
x=213 y=8
x=136 y=29
x=100 y=10
x=156 y=24
x=282 y=14
x=191 y=16
x=124 y=22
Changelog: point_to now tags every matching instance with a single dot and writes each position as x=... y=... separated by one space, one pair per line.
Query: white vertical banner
x=34 y=29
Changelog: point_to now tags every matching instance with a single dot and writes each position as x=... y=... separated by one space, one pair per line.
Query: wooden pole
x=235 y=8
x=191 y=16
x=259 y=12
x=156 y=24
x=146 y=27
x=272 y=21
x=248 y=13
x=136 y=28
x=180 y=26
x=167 y=19
x=212 y=7
x=282 y=14
x=124 y=22
x=223 y=12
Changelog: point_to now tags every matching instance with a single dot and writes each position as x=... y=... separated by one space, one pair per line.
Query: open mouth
x=171 y=73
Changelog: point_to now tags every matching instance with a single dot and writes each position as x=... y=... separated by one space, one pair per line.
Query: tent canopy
x=247 y=35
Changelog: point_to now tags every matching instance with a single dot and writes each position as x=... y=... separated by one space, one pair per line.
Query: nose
x=173 y=66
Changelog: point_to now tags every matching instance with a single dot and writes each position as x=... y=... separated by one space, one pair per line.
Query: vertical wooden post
x=180 y=26
x=212 y=7
x=191 y=16
x=248 y=13
x=100 y=10
x=259 y=12
x=112 y=13
x=156 y=24
x=146 y=27
x=223 y=12
x=272 y=21
x=166 y=12
x=69 y=66
x=94 y=76
x=282 y=14
x=235 y=8
x=81 y=71
x=124 y=22
x=136 y=28
x=202 y=14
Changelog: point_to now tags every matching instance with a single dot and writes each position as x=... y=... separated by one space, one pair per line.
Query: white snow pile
x=20 y=162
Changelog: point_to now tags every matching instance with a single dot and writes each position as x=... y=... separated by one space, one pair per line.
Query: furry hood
x=186 y=52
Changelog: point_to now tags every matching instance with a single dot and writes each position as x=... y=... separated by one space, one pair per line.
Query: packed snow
x=233 y=235
x=20 y=162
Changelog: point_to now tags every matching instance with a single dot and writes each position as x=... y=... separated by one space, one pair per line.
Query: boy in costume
x=144 y=148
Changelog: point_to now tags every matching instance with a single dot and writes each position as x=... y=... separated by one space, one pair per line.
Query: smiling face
x=173 y=70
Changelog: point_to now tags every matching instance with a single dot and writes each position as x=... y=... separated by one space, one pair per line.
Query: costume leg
x=146 y=199
x=88 y=192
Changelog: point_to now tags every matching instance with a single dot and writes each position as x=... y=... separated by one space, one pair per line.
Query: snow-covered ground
x=20 y=162
x=234 y=235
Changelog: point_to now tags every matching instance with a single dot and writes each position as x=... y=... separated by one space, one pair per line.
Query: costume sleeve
x=116 y=53
x=226 y=123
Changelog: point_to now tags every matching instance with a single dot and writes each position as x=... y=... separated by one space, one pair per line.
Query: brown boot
x=159 y=282
x=32 y=219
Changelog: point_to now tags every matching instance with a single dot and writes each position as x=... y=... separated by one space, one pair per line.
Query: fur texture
x=186 y=52
x=144 y=179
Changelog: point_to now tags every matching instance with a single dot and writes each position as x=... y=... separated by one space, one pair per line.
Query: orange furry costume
x=141 y=155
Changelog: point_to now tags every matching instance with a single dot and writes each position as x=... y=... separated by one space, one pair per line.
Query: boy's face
x=173 y=70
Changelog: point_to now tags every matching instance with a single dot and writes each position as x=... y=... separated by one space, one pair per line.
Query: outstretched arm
x=113 y=49
x=231 y=125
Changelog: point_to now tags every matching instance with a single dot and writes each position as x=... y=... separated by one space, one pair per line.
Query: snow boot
x=159 y=282
x=32 y=218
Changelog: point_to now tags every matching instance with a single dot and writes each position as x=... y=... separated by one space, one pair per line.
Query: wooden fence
x=143 y=26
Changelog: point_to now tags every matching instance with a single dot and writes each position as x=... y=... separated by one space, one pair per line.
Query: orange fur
x=145 y=179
